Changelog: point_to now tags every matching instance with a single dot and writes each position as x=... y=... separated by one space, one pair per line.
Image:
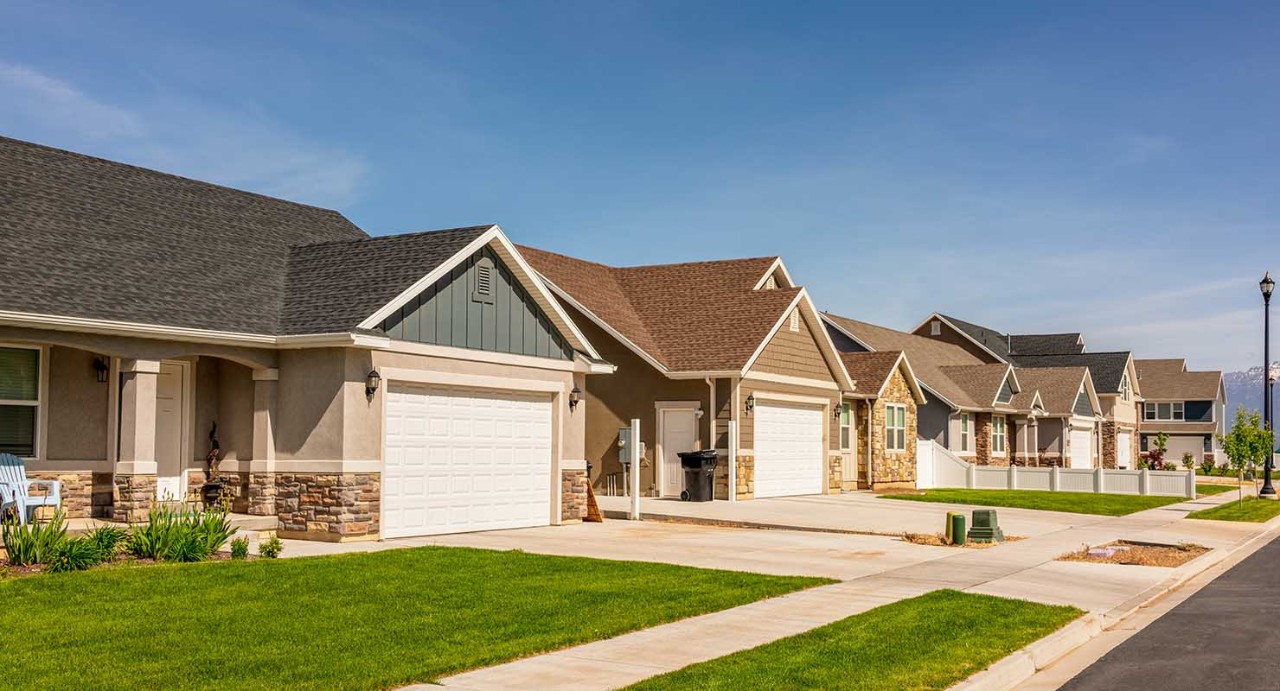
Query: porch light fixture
x=575 y=397
x=750 y=404
x=101 y=369
x=371 y=382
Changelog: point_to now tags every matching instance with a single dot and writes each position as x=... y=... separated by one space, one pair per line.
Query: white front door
x=679 y=434
x=789 y=450
x=1081 y=448
x=460 y=460
x=1124 y=450
x=170 y=403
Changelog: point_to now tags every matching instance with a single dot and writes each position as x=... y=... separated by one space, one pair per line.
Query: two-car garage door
x=460 y=460
x=789 y=448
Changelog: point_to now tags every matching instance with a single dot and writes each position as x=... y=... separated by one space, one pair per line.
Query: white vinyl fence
x=936 y=466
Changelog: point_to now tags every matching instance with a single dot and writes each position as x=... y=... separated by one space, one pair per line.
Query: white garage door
x=464 y=460
x=789 y=450
x=1124 y=450
x=1081 y=449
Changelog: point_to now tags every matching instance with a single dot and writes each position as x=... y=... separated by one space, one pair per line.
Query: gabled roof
x=88 y=238
x=871 y=372
x=682 y=318
x=1009 y=347
x=982 y=383
x=1058 y=387
x=1106 y=369
x=991 y=340
x=1046 y=344
x=1170 y=380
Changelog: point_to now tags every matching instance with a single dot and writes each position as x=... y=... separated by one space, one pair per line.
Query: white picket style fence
x=937 y=467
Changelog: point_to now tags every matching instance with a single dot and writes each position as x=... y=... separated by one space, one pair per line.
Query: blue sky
x=1105 y=167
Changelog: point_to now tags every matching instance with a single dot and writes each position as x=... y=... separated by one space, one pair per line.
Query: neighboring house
x=1113 y=374
x=878 y=422
x=972 y=406
x=359 y=387
x=1191 y=407
x=1067 y=414
x=699 y=346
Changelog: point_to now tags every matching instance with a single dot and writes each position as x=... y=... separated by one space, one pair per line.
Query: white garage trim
x=790 y=449
x=791 y=398
x=471 y=381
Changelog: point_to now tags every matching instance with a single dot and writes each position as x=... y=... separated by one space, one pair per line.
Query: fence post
x=1099 y=481
x=971 y=476
x=1053 y=479
x=1191 y=484
x=1144 y=482
x=634 y=452
x=1013 y=476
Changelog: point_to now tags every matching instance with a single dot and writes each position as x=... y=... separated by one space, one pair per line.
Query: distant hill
x=1245 y=389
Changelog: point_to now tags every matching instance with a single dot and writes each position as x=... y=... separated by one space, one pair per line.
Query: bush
x=1207 y=465
x=108 y=540
x=76 y=554
x=33 y=543
x=271 y=548
x=178 y=535
x=240 y=548
x=1188 y=460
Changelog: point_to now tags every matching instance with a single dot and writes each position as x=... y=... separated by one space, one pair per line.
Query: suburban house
x=352 y=386
x=725 y=355
x=878 y=421
x=1067 y=414
x=979 y=410
x=1114 y=377
x=1191 y=407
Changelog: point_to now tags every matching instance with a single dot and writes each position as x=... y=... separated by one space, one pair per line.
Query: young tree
x=1247 y=444
x=1158 y=446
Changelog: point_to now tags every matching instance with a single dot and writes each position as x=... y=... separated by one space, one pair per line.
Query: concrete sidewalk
x=1024 y=569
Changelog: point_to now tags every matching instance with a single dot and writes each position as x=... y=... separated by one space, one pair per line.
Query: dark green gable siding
x=1006 y=392
x=1083 y=406
x=453 y=313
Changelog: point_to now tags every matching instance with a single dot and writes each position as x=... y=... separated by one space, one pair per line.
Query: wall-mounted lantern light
x=101 y=369
x=698 y=413
x=371 y=382
x=575 y=397
x=750 y=405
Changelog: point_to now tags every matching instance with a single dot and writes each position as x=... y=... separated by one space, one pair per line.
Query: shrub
x=177 y=535
x=76 y=554
x=1207 y=464
x=33 y=543
x=108 y=540
x=271 y=548
x=1188 y=460
x=240 y=548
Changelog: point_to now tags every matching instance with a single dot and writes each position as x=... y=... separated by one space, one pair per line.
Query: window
x=1164 y=411
x=935 y=328
x=19 y=400
x=844 y=425
x=795 y=320
x=998 y=435
x=483 y=289
x=964 y=431
x=1208 y=444
x=895 y=427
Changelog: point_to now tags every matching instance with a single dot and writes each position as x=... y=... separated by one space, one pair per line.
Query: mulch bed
x=8 y=570
x=940 y=540
x=1137 y=554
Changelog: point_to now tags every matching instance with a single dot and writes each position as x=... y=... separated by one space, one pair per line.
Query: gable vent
x=770 y=283
x=483 y=291
x=795 y=320
x=935 y=328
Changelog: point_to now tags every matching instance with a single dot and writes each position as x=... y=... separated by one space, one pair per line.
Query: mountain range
x=1245 y=389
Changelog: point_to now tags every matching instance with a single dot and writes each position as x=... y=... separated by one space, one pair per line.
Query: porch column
x=135 y=472
x=1035 y=439
x=262 y=475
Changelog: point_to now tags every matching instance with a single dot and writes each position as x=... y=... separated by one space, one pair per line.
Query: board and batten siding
x=452 y=313
x=1083 y=407
x=1006 y=392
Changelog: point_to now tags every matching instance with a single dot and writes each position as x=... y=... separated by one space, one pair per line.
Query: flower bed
x=1137 y=554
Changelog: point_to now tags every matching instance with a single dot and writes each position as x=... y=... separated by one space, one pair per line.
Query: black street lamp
x=1267 y=285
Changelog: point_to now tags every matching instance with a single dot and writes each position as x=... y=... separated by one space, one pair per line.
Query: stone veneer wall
x=328 y=507
x=982 y=438
x=897 y=468
x=236 y=487
x=835 y=473
x=746 y=477
x=133 y=497
x=84 y=494
x=573 y=495
x=262 y=494
x=1111 y=435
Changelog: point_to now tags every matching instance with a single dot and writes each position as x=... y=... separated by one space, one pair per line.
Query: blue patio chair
x=13 y=478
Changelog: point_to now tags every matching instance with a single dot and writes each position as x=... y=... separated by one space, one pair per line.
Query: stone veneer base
x=329 y=507
x=573 y=495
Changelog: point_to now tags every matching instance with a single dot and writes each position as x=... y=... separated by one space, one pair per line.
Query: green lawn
x=928 y=642
x=1251 y=510
x=357 y=621
x=1071 y=502
x=1208 y=489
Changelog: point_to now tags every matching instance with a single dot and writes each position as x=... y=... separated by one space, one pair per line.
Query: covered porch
x=124 y=422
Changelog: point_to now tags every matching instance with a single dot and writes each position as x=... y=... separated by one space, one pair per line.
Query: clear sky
x=1106 y=167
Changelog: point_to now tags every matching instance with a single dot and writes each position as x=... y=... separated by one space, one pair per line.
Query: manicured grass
x=1208 y=489
x=357 y=621
x=1071 y=502
x=1251 y=510
x=927 y=642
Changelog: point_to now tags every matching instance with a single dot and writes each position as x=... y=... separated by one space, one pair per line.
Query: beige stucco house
x=725 y=355
x=352 y=386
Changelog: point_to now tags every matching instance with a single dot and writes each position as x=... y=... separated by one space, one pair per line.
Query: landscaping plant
x=240 y=548
x=270 y=548
x=1154 y=457
x=179 y=535
x=33 y=543
x=1207 y=465
x=107 y=540
x=1246 y=445
x=76 y=554
x=1189 y=460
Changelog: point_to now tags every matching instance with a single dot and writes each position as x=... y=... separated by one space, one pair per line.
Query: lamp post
x=1267 y=285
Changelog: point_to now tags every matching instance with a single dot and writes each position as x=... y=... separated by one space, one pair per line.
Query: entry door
x=679 y=433
x=1124 y=450
x=170 y=399
x=1081 y=449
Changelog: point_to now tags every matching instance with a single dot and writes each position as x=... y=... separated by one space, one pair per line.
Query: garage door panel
x=1081 y=449
x=789 y=450
x=463 y=460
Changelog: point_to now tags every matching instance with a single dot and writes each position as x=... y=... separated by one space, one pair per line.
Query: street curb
x=1022 y=664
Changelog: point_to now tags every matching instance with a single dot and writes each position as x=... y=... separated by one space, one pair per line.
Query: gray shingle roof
x=1046 y=344
x=334 y=286
x=991 y=339
x=1107 y=369
x=85 y=237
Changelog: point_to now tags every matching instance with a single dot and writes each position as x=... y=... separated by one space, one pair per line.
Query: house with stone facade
x=1114 y=377
x=1066 y=413
x=726 y=355
x=354 y=387
x=1190 y=406
x=878 y=422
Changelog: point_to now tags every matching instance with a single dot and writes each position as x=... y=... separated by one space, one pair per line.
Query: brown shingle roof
x=700 y=316
x=1058 y=387
x=980 y=383
x=870 y=371
x=1167 y=380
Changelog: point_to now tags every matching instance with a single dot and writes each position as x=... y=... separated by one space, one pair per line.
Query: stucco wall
x=1050 y=436
x=310 y=404
x=77 y=407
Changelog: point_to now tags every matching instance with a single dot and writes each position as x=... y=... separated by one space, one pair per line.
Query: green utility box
x=955 y=528
x=985 y=527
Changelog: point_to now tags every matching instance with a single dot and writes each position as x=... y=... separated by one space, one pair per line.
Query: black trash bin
x=699 y=475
